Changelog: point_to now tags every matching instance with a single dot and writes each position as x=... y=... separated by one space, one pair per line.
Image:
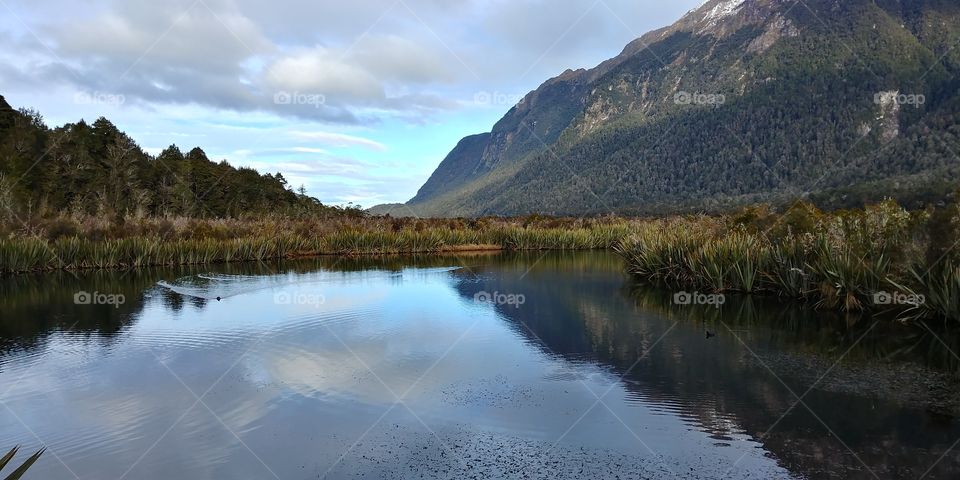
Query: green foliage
x=847 y=278
x=787 y=271
x=143 y=242
x=940 y=287
x=841 y=261
x=98 y=170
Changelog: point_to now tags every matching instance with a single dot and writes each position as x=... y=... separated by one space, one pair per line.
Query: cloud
x=319 y=71
x=399 y=59
x=307 y=150
x=285 y=151
x=367 y=59
x=173 y=35
x=339 y=140
x=211 y=53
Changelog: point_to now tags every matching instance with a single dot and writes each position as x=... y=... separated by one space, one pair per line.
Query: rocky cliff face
x=740 y=100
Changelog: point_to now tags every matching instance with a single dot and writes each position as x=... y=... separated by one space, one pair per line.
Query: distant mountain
x=392 y=209
x=740 y=101
x=96 y=169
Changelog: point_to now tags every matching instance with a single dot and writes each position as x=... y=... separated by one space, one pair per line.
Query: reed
x=18 y=473
x=940 y=290
x=848 y=279
x=787 y=273
x=224 y=241
x=844 y=260
x=670 y=252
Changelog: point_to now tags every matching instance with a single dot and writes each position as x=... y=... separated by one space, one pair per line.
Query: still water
x=474 y=366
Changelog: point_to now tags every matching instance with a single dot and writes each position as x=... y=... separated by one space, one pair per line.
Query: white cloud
x=339 y=140
x=400 y=59
x=319 y=71
x=308 y=150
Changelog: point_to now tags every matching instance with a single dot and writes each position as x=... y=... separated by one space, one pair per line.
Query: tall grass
x=940 y=287
x=844 y=260
x=224 y=242
x=18 y=473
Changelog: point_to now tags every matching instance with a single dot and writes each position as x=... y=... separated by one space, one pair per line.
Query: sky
x=358 y=101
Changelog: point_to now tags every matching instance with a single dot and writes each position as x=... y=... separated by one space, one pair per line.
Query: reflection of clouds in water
x=322 y=365
x=122 y=405
x=213 y=286
x=315 y=375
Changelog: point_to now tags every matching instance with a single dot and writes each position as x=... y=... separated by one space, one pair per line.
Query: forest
x=94 y=169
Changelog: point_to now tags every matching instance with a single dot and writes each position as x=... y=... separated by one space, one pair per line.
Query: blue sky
x=358 y=101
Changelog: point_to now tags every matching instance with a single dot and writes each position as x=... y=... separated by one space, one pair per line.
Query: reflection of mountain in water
x=727 y=387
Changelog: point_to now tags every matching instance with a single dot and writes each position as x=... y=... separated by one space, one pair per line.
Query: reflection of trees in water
x=802 y=328
x=888 y=436
x=35 y=306
x=578 y=313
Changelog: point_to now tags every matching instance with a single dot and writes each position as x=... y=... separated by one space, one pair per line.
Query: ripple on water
x=465 y=453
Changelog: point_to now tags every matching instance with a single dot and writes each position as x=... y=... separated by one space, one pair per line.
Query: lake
x=534 y=365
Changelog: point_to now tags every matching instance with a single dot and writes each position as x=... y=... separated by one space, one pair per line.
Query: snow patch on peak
x=723 y=9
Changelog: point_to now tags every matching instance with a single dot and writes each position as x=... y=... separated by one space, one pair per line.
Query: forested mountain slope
x=740 y=101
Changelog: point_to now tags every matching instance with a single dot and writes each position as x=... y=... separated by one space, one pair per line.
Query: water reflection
x=298 y=361
x=878 y=397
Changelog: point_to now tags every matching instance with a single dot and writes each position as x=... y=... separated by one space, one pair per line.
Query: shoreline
x=881 y=257
x=439 y=251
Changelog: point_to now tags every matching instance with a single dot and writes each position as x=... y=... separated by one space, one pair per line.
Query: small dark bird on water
x=218 y=299
x=710 y=334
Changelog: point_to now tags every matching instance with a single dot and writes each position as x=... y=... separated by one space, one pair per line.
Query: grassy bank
x=67 y=243
x=882 y=257
x=875 y=259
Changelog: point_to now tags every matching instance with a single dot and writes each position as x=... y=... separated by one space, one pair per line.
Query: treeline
x=95 y=169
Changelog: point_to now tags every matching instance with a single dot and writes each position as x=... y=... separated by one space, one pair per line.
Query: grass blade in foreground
x=22 y=469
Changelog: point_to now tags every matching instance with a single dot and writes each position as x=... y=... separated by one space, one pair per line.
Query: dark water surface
x=391 y=368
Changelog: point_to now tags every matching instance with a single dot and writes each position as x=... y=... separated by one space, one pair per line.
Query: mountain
x=96 y=169
x=740 y=101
